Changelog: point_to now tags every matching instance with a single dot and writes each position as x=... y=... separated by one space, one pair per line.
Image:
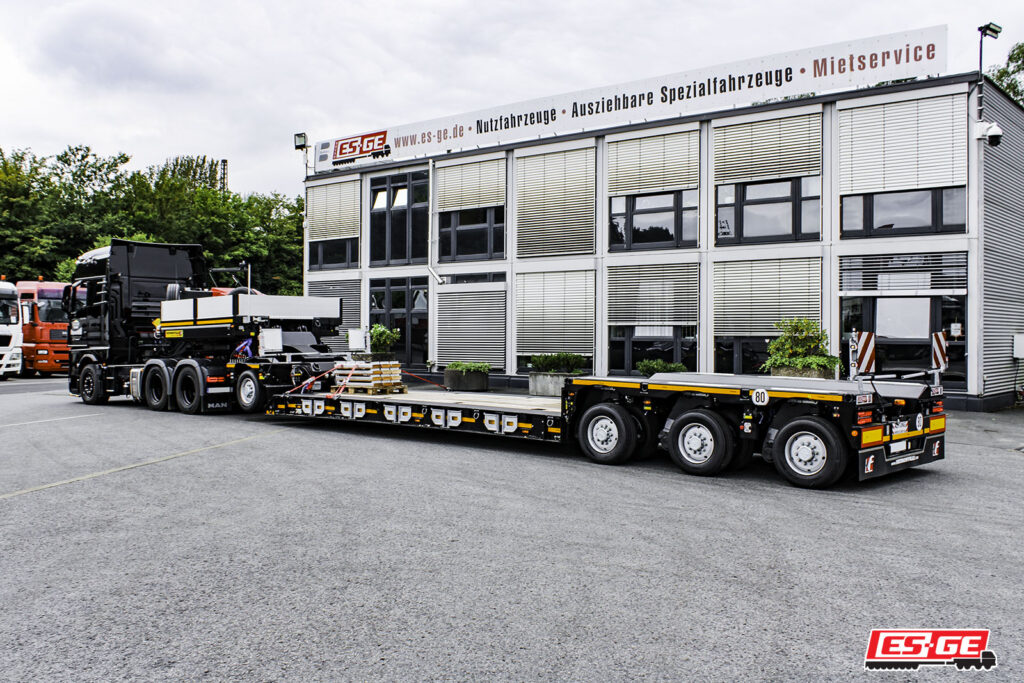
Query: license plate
x=898 y=447
x=900 y=427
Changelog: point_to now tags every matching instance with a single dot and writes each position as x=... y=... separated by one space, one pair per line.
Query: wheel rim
x=806 y=453
x=247 y=391
x=88 y=385
x=603 y=435
x=696 y=443
x=188 y=390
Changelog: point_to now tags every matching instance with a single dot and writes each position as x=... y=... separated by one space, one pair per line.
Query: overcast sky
x=235 y=80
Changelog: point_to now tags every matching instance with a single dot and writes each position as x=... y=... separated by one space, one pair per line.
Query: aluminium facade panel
x=332 y=210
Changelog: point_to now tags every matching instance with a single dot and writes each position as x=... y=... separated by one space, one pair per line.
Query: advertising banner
x=790 y=75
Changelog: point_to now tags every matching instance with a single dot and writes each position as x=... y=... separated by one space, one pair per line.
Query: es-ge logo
x=913 y=648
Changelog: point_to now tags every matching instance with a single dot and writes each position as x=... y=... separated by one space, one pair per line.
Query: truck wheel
x=607 y=434
x=90 y=385
x=155 y=390
x=25 y=370
x=188 y=390
x=249 y=392
x=809 y=452
x=700 y=442
x=647 y=437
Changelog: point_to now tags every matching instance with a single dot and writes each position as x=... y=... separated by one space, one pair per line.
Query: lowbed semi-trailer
x=146 y=328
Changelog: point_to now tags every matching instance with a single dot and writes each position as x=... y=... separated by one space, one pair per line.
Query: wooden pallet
x=375 y=390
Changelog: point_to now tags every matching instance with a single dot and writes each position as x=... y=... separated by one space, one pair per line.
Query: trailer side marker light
x=937 y=424
x=469 y=419
x=215 y=380
x=372 y=411
x=525 y=425
x=900 y=402
x=863 y=417
x=872 y=436
x=280 y=406
x=555 y=430
x=418 y=416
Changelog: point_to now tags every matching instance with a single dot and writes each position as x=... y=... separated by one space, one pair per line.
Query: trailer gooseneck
x=147 y=329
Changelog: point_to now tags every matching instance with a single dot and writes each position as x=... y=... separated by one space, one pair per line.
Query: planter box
x=802 y=372
x=548 y=383
x=456 y=380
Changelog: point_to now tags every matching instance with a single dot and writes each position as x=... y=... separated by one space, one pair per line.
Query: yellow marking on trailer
x=174 y=334
x=280 y=406
x=704 y=390
x=905 y=435
x=603 y=383
x=329 y=409
x=555 y=430
x=800 y=394
x=469 y=419
x=872 y=436
x=418 y=416
x=525 y=425
x=938 y=424
x=372 y=411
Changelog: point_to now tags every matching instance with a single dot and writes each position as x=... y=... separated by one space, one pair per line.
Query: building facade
x=687 y=238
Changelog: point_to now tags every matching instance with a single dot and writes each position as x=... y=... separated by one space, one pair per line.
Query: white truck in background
x=10 y=331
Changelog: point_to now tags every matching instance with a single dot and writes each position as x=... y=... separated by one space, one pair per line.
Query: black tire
x=607 y=434
x=26 y=372
x=155 y=390
x=249 y=393
x=90 y=385
x=647 y=437
x=701 y=443
x=188 y=390
x=810 y=452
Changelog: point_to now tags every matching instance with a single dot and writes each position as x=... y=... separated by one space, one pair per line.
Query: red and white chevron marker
x=862 y=353
x=940 y=357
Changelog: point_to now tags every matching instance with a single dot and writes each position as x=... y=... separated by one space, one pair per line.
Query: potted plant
x=549 y=371
x=460 y=376
x=652 y=366
x=801 y=351
x=381 y=341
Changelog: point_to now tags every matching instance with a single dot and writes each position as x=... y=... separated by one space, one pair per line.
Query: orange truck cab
x=44 y=327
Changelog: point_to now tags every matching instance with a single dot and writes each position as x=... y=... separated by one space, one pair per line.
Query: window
x=402 y=303
x=913 y=212
x=776 y=211
x=334 y=254
x=630 y=344
x=653 y=221
x=470 y=278
x=741 y=355
x=398 y=219
x=903 y=326
x=472 y=234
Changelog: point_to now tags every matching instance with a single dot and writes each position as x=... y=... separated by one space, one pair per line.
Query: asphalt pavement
x=159 y=546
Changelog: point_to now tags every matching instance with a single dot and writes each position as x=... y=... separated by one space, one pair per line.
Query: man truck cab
x=44 y=326
x=10 y=331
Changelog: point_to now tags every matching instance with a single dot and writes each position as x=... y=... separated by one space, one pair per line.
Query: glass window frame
x=316 y=248
x=411 y=183
x=867 y=230
x=796 y=198
x=679 y=213
x=626 y=335
x=386 y=314
x=491 y=225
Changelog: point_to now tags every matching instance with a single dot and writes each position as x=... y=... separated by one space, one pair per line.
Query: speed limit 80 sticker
x=759 y=397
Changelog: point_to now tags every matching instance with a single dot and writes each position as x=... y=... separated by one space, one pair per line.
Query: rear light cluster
x=864 y=417
x=937 y=407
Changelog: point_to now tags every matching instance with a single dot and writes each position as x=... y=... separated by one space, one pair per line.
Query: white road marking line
x=138 y=464
x=53 y=419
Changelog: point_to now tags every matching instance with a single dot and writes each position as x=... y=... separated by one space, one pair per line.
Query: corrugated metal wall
x=471 y=327
x=471 y=186
x=1003 y=244
x=555 y=312
x=654 y=294
x=777 y=148
x=332 y=211
x=903 y=145
x=654 y=163
x=349 y=291
x=751 y=296
x=556 y=203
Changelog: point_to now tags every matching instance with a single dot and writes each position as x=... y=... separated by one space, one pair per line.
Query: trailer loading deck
x=813 y=430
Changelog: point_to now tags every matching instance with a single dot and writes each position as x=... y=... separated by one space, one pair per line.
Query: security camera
x=994 y=135
x=991 y=132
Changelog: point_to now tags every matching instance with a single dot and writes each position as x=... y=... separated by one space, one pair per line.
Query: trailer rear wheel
x=700 y=442
x=188 y=390
x=155 y=389
x=90 y=385
x=607 y=434
x=809 y=452
x=249 y=392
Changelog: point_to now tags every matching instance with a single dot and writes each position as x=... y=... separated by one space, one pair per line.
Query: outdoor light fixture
x=300 y=141
x=990 y=30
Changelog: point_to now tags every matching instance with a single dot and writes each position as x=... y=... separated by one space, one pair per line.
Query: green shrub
x=459 y=366
x=558 y=362
x=382 y=339
x=802 y=344
x=653 y=366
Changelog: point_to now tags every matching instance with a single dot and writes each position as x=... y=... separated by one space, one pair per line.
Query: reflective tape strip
x=940 y=356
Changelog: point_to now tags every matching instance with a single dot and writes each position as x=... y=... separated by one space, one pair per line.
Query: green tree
x=1011 y=76
x=24 y=183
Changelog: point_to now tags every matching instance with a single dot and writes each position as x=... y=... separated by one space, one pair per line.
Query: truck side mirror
x=65 y=300
x=34 y=314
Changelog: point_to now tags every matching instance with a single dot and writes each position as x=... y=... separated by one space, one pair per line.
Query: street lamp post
x=989 y=30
